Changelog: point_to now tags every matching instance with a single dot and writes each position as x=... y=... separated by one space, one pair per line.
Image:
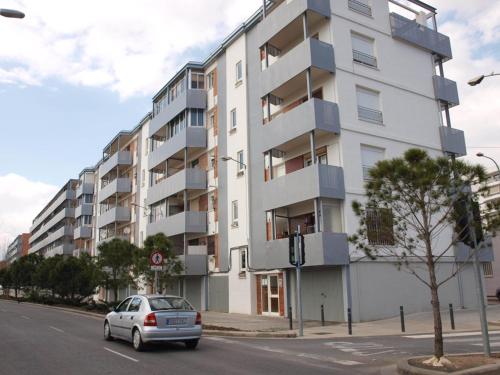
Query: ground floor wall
x=379 y=289
x=493 y=280
x=218 y=293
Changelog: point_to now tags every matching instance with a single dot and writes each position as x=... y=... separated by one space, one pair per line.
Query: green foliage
x=172 y=266
x=116 y=258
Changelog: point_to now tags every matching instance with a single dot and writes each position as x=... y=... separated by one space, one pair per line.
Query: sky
x=75 y=73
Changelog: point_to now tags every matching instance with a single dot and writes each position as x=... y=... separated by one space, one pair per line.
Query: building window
x=211 y=121
x=197 y=117
x=363 y=50
x=369 y=157
x=233 y=117
x=143 y=178
x=240 y=156
x=369 y=105
x=211 y=79
x=361 y=6
x=488 y=269
x=239 y=71
x=243 y=263
x=234 y=214
x=380 y=227
x=197 y=80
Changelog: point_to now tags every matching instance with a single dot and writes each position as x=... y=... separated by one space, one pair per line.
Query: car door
x=130 y=316
x=116 y=320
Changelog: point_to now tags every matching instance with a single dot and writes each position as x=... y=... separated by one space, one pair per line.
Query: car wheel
x=107 y=332
x=498 y=296
x=191 y=344
x=137 y=340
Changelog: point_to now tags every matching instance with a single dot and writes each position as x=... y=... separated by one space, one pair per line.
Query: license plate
x=176 y=321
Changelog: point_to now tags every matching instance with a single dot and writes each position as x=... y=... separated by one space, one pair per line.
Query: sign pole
x=298 y=256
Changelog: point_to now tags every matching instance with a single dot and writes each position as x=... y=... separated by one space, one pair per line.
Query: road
x=43 y=341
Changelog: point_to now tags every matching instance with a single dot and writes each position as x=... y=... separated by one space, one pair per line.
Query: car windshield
x=169 y=303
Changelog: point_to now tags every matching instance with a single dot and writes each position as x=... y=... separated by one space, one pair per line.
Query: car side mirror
x=112 y=309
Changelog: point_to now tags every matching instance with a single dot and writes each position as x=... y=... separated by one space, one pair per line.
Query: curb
x=404 y=368
x=66 y=309
x=287 y=335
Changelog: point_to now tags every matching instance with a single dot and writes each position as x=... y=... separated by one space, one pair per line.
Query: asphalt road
x=44 y=341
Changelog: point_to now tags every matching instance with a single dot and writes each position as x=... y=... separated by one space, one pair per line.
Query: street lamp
x=11 y=13
x=477 y=80
x=481 y=155
x=228 y=158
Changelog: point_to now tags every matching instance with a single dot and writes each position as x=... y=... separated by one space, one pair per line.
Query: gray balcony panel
x=315 y=114
x=64 y=213
x=410 y=31
x=65 y=249
x=119 y=158
x=82 y=233
x=463 y=253
x=194 y=265
x=315 y=181
x=311 y=53
x=191 y=136
x=187 y=179
x=85 y=188
x=85 y=209
x=446 y=90
x=119 y=185
x=322 y=249
x=283 y=15
x=68 y=194
x=184 y=222
x=453 y=141
x=114 y=215
x=360 y=8
x=192 y=98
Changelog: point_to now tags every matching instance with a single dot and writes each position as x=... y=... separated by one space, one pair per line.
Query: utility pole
x=298 y=258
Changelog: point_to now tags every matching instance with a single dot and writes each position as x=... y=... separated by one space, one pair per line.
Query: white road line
x=121 y=355
x=25 y=317
x=56 y=329
x=492 y=344
x=377 y=353
x=459 y=334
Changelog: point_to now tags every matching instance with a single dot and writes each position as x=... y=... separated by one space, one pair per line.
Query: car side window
x=135 y=305
x=123 y=306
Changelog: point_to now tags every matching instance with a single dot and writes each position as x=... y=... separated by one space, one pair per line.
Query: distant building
x=18 y=248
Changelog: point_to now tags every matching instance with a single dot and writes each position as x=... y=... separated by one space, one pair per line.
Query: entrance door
x=270 y=295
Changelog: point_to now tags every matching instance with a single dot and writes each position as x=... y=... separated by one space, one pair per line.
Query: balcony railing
x=446 y=91
x=187 y=179
x=183 y=222
x=359 y=7
x=453 y=141
x=371 y=115
x=119 y=158
x=364 y=58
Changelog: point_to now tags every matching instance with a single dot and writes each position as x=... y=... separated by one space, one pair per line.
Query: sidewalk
x=419 y=323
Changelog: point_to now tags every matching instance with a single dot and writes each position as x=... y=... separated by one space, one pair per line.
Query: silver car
x=143 y=319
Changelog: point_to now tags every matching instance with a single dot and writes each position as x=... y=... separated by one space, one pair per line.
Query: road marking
x=492 y=344
x=25 y=317
x=289 y=352
x=121 y=355
x=366 y=349
x=459 y=334
x=56 y=329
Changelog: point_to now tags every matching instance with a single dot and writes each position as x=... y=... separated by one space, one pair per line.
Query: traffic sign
x=156 y=268
x=156 y=259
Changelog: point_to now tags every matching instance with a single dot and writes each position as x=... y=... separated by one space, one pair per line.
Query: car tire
x=191 y=344
x=498 y=295
x=107 y=332
x=137 y=340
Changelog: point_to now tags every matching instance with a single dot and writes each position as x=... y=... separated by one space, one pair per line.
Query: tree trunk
x=115 y=293
x=438 y=324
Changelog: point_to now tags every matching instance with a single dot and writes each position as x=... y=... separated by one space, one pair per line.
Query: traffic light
x=291 y=250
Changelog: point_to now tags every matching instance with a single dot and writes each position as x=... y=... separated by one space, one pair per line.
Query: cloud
x=473 y=27
x=127 y=46
x=21 y=200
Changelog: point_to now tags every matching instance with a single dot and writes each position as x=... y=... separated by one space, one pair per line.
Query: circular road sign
x=156 y=259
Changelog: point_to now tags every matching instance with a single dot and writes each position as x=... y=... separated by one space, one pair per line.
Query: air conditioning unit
x=211 y=263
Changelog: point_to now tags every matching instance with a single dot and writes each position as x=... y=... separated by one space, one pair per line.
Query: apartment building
x=275 y=132
x=18 y=248
x=52 y=229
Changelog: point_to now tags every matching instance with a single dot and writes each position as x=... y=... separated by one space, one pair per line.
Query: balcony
x=85 y=209
x=117 y=186
x=195 y=261
x=85 y=188
x=360 y=8
x=311 y=53
x=64 y=213
x=421 y=36
x=322 y=249
x=66 y=195
x=462 y=252
x=187 y=179
x=287 y=12
x=191 y=136
x=315 y=114
x=453 y=141
x=192 y=98
x=315 y=181
x=64 y=249
x=114 y=215
x=82 y=233
x=446 y=91
x=118 y=158
x=184 y=222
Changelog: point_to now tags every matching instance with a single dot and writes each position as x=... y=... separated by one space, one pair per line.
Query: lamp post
x=481 y=155
x=11 y=13
x=477 y=80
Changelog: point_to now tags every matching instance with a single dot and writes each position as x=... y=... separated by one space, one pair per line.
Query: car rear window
x=169 y=303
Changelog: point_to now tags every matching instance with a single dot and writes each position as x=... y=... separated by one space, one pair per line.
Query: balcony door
x=270 y=295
